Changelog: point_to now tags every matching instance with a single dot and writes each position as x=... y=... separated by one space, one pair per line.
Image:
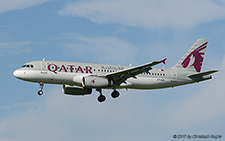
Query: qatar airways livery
x=81 y=78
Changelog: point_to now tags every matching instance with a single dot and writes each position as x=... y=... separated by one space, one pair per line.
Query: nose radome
x=17 y=73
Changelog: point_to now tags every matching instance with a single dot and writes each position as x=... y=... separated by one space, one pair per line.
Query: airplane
x=81 y=78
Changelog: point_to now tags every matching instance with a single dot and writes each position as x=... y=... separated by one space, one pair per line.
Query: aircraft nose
x=17 y=73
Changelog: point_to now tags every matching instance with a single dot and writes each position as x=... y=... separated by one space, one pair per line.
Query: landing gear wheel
x=101 y=98
x=40 y=92
x=115 y=94
x=41 y=87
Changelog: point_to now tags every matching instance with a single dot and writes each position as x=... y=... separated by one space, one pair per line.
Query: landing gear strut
x=41 y=88
x=101 y=97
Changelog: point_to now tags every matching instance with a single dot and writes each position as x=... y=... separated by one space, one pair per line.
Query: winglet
x=163 y=61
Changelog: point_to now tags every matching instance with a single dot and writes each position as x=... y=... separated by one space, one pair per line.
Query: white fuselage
x=55 y=72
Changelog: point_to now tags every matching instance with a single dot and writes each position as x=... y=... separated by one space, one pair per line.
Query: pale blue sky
x=111 y=32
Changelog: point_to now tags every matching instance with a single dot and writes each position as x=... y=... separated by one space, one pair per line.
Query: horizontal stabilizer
x=202 y=74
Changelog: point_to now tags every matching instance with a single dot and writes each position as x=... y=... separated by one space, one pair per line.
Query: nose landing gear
x=40 y=92
x=41 y=88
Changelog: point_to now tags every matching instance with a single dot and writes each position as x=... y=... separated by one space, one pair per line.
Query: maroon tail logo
x=195 y=58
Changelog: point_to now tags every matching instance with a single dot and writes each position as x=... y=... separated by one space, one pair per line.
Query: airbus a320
x=81 y=78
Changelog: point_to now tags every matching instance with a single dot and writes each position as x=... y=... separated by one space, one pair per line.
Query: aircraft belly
x=63 y=78
x=154 y=83
x=149 y=83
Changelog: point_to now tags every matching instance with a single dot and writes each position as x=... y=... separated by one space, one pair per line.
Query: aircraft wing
x=121 y=76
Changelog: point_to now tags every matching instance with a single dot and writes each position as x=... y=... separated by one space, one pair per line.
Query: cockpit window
x=28 y=66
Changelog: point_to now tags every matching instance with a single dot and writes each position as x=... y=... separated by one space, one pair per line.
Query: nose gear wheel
x=41 y=88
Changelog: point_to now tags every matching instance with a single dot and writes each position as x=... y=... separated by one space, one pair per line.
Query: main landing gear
x=115 y=94
x=41 y=88
x=102 y=98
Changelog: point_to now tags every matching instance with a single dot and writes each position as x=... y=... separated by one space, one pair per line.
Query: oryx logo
x=195 y=58
x=93 y=81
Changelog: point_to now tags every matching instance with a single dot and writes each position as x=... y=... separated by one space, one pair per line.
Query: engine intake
x=74 y=90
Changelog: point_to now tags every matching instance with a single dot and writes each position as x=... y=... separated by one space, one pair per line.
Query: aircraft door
x=46 y=77
x=43 y=67
x=173 y=74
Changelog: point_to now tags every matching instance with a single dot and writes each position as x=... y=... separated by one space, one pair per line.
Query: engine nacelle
x=78 y=80
x=74 y=90
x=96 y=82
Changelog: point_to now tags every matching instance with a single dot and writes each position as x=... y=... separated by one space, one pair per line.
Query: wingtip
x=164 y=61
x=216 y=71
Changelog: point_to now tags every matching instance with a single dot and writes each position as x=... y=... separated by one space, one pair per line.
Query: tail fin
x=193 y=59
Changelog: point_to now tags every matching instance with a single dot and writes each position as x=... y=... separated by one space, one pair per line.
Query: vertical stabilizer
x=193 y=59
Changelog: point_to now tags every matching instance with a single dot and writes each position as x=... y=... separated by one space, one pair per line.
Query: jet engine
x=96 y=82
x=78 y=80
x=75 y=90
